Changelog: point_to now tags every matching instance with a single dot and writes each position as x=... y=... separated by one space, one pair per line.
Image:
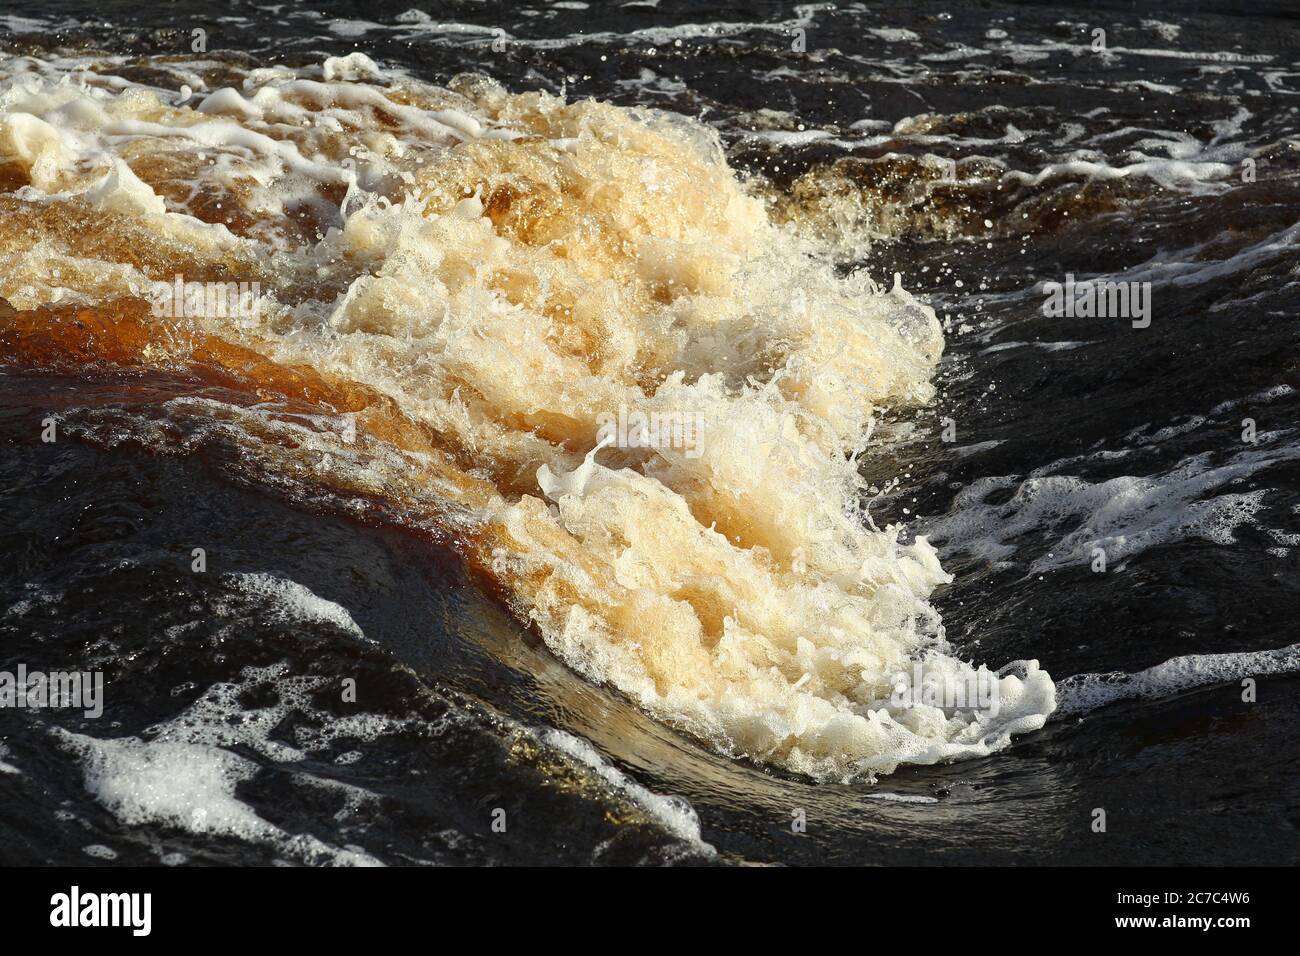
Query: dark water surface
x=1172 y=157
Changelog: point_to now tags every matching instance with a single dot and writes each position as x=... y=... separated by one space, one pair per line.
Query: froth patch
x=190 y=786
x=5 y=766
x=287 y=600
x=1085 y=693
x=1123 y=516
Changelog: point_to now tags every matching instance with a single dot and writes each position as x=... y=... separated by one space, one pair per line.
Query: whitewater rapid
x=455 y=286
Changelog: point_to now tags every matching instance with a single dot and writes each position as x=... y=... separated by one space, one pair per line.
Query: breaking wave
x=442 y=293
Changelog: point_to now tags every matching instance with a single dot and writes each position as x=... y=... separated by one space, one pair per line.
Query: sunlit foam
x=476 y=280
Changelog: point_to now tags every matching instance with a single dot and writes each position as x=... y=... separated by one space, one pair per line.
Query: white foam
x=893 y=34
x=1262 y=397
x=674 y=814
x=1085 y=693
x=1123 y=516
x=189 y=786
x=1189 y=267
x=901 y=797
x=22 y=25
x=1167 y=31
x=412 y=27
x=187 y=773
x=963 y=451
x=289 y=601
x=36 y=597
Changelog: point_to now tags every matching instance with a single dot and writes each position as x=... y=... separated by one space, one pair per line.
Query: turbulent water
x=321 y=337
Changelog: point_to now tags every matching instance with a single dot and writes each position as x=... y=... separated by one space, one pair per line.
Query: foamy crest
x=1084 y=693
x=476 y=278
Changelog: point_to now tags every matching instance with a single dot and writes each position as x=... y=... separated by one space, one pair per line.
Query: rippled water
x=977 y=151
